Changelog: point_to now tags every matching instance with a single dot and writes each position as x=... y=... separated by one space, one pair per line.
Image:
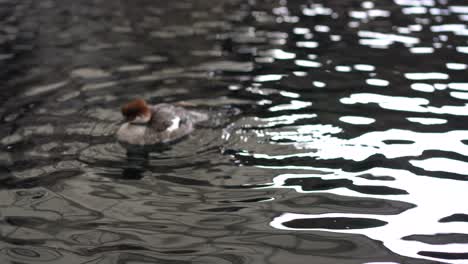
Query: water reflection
x=343 y=121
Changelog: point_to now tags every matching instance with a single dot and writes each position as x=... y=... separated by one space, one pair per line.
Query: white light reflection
x=341 y=68
x=367 y=4
x=415 y=27
x=423 y=87
x=442 y=164
x=281 y=54
x=388 y=102
x=415 y=2
x=455 y=28
x=422 y=50
x=427 y=76
x=456 y=66
x=322 y=28
x=282 y=120
x=364 y=67
x=357 y=120
x=372 y=143
x=435 y=199
x=268 y=77
x=417 y=10
x=319 y=84
x=307 y=44
x=294 y=105
x=440 y=86
x=459 y=9
x=378 y=13
x=301 y=31
x=308 y=63
x=463 y=49
x=45 y=88
x=427 y=120
x=376 y=43
x=289 y=94
x=458 y=86
x=358 y=14
x=268 y=91
x=459 y=95
x=300 y=73
x=377 y=82
x=389 y=37
x=317 y=9
x=409 y=104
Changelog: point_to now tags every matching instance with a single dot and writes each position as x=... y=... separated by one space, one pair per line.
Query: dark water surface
x=351 y=145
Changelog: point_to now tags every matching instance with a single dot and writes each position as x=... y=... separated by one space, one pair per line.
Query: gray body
x=168 y=123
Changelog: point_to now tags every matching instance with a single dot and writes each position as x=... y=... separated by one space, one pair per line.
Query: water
x=350 y=145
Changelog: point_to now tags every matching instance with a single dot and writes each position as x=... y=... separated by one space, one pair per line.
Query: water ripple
x=338 y=132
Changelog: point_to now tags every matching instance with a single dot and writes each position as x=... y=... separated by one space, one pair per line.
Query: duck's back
x=170 y=122
x=167 y=123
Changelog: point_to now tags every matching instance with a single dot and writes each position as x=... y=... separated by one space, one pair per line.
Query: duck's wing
x=168 y=123
x=164 y=117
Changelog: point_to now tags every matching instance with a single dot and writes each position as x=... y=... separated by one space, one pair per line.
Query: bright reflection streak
x=456 y=66
x=322 y=28
x=389 y=37
x=449 y=28
x=427 y=76
x=45 y=88
x=358 y=14
x=357 y=120
x=422 y=50
x=376 y=43
x=307 y=63
x=378 y=13
x=282 y=120
x=343 y=68
x=442 y=164
x=319 y=84
x=427 y=120
x=459 y=9
x=409 y=104
x=268 y=91
x=415 y=2
x=324 y=146
x=458 y=86
x=414 y=10
x=459 y=95
x=440 y=86
x=300 y=73
x=307 y=44
x=301 y=31
x=294 y=105
x=377 y=82
x=423 y=87
x=463 y=49
x=268 y=77
x=317 y=9
x=364 y=67
x=367 y=4
x=289 y=94
x=280 y=54
x=435 y=199
x=388 y=102
x=335 y=37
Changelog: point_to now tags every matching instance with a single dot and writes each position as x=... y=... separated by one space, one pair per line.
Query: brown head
x=137 y=111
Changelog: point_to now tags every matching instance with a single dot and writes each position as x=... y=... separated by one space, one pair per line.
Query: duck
x=147 y=124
